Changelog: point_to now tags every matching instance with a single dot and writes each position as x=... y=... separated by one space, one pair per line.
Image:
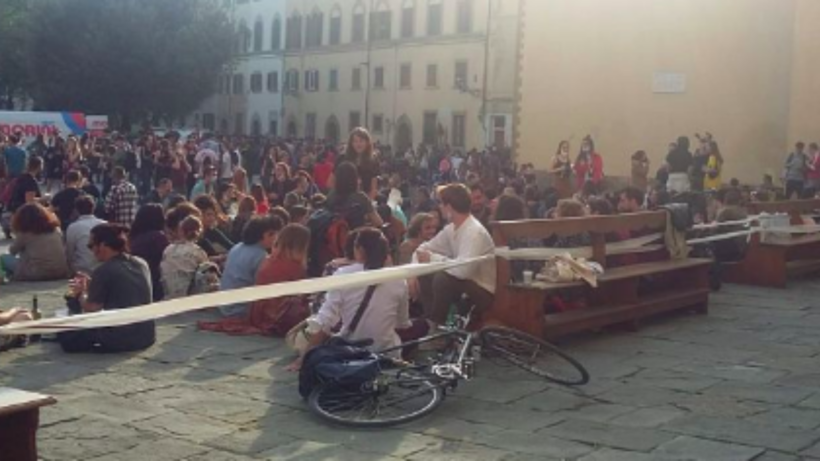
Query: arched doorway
x=404 y=134
x=332 y=130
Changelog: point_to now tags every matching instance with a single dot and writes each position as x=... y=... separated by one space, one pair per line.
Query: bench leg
x=18 y=435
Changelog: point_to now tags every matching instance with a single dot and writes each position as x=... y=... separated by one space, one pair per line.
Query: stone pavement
x=742 y=383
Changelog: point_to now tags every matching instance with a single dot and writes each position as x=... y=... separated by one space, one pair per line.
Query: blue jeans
x=9 y=263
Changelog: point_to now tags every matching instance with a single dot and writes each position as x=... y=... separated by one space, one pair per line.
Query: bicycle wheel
x=534 y=355
x=395 y=397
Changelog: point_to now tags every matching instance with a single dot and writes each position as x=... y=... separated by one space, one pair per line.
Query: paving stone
x=228 y=408
x=85 y=438
x=500 y=415
x=250 y=441
x=114 y=408
x=809 y=380
x=748 y=373
x=705 y=450
x=721 y=405
x=185 y=426
x=552 y=400
x=462 y=451
x=649 y=417
x=640 y=395
x=674 y=380
x=217 y=455
x=490 y=390
x=744 y=432
x=762 y=393
x=814 y=451
x=539 y=444
x=811 y=402
x=637 y=439
x=598 y=412
x=608 y=454
x=305 y=451
x=788 y=417
x=771 y=455
x=121 y=385
x=166 y=449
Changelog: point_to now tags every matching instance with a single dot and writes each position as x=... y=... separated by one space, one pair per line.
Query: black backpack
x=338 y=362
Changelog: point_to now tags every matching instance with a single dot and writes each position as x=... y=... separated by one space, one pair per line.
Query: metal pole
x=369 y=32
x=486 y=73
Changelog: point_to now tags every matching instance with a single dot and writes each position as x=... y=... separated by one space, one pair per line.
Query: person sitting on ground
x=38 y=253
x=161 y=192
x=147 y=240
x=245 y=258
x=181 y=258
x=122 y=281
x=386 y=310
x=261 y=198
x=80 y=258
x=245 y=211
x=280 y=213
x=299 y=214
x=422 y=228
x=463 y=238
x=215 y=243
x=348 y=200
x=26 y=189
x=205 y=185
x=298 y=195
x=63 y=202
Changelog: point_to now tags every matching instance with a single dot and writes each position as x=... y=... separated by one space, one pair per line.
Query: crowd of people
x=152 y=218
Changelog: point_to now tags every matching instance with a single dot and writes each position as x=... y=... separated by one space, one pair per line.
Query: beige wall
x=587 y=68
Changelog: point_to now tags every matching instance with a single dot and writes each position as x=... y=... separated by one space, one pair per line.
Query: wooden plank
x=624 y=272
x=563 y=324
x=541 y=228
x=794 y=208
x=802 y=268
x=14 y=401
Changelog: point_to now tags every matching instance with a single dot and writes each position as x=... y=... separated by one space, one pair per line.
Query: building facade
x=249 y=98
x=411 y=71
x=636 y=74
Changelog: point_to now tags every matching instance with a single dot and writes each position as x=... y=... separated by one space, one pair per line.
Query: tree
x=136 y=59
x=13 y=72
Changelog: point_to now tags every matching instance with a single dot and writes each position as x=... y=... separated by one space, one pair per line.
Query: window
x=276 y=34
x=256 y=83
x=209 y=122
x=357 y=79
x=336 y=26
x=256 y=125
x=293 y=41
x=430 y=122
x=311 y=80
x=434 y=13
x=499 y=131
x=315 y=26
x=238 y=84
x=378 y=78
x=273 y=82
x=333 y=81
x=464 y=16
x=380 y=25
x=310 y=125
x=273 y=123
x=460 y=80
x=458 y=130
x=432 y=75
x=408 y=19
x=355 y=120
x=406 y=76
x=357 y=34
x=292 y=80
x=378 y=123
x=258 y=35
x=226 y=80
x=244 y=43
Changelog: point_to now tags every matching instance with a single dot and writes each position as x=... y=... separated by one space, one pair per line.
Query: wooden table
x=19 y=420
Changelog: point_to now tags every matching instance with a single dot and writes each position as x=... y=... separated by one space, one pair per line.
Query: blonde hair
x=190 y=228
x=292 y=242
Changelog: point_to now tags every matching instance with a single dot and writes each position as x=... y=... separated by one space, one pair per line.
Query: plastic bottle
x=36 y=315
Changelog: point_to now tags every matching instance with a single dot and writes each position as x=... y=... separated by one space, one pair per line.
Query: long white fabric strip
x=362 y=279
x=168 y=308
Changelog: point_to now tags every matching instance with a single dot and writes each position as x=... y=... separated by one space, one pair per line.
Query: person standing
x=63 y=202
x=561 y=170
x=26 y=189
x=122 y=201
x=812 y=186
x=713 y=180
x=794 y=171
x=361 y=154
x=679 y=162
x=589 y=165
x=15 y=156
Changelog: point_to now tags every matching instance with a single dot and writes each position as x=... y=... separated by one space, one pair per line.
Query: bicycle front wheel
x=534 y=355
x=395 y=397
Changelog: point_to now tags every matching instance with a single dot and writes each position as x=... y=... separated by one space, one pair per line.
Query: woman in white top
x=387 y=310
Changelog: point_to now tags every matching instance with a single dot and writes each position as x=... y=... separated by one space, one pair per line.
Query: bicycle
x=403 y=391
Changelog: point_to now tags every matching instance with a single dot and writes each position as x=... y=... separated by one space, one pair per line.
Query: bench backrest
x=598 y=227
x=795 y=208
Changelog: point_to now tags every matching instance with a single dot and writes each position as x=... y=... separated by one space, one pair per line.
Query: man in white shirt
x=463 y=238
x=80 y=257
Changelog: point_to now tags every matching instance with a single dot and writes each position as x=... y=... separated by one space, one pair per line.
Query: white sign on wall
x=668 y=83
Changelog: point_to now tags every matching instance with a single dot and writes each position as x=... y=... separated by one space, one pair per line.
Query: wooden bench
x=624 y=295
x=19 y=420
x=772 y=263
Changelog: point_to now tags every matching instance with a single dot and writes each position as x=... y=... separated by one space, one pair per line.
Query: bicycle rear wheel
x=534 y=355
x=394 y=397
